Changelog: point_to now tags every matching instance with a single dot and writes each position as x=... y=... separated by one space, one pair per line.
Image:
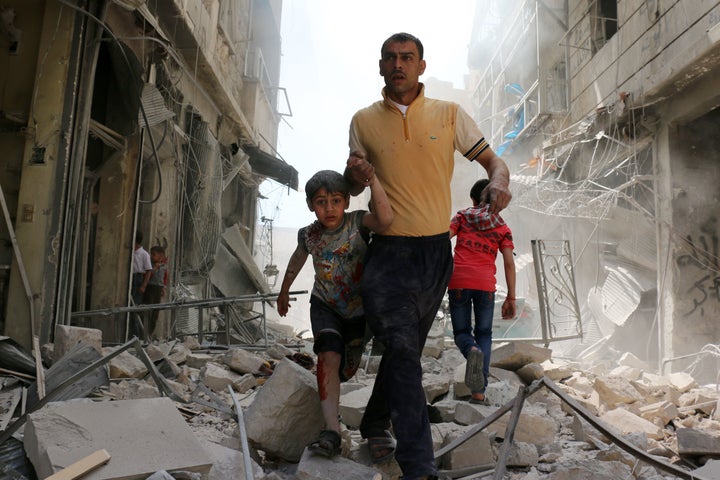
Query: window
x=604 y=22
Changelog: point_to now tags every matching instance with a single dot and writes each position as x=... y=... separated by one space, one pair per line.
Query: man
x=408 y=141
x=142 y=270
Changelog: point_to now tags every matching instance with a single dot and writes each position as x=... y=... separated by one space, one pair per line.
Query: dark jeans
x=403 y=284
x=137 y=280
x=153 y=294
x=463 y=303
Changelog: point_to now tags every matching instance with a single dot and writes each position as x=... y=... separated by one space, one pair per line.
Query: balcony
x=524 y=82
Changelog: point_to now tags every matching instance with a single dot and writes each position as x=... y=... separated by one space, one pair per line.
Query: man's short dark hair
x=330 y=180
x=138 y=237
x=403 y=37
x=477 y=189
x=157 y=249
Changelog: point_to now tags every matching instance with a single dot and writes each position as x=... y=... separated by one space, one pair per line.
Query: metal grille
x=557 y=296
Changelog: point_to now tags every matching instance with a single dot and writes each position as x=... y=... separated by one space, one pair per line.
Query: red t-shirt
x=480 y=235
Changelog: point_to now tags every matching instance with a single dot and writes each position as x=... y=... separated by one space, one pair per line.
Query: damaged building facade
x=130 y=115
x=607 y=114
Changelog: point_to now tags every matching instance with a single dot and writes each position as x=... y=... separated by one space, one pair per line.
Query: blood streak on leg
x=322 y=378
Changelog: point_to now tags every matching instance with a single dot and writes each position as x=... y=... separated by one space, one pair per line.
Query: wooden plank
x=82 y=466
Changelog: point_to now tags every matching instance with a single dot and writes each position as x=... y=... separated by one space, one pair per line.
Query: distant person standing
x=141 y=269
x=141 y=272
x=155 y=289
x=409 y=141
x=337 y=242
x=480 y=235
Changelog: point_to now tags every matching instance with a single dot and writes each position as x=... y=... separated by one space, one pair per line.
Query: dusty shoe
x=474 y=378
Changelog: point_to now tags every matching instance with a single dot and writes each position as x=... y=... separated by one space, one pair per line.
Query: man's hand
x=359 y=171
x=497 y=195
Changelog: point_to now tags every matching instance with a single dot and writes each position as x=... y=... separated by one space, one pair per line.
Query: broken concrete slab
x=278 y=351
x=66 y=337
x=627 y=422
x=692 y=442
x=659 y=412
x=534 y=425
x=198 y=360
x=229 y=463
x=314 y=467
x=285 y=414
x=710 y=470
x=141 y=436
x=530 y=372
x=217 y=377
x=242 y=361
x=435 y=386
x=80 y=356
x=616 y=390
x=125 y=365
x=514 y=355
x=477 y=450
x=352 y=406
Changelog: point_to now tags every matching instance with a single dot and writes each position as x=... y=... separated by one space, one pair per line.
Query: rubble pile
x=168 y=411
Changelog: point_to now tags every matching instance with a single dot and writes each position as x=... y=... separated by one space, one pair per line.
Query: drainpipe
x=72 y=195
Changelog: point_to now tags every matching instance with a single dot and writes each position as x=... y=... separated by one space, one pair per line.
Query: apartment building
x=607 y=113
x=117 y=116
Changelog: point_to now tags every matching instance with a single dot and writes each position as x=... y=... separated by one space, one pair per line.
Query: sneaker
x=474 y=377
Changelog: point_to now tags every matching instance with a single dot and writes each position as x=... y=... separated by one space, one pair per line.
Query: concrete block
x=616 y=390
x=125 y=365
x=710 y=470
x=352 y=406
x=434 y=347
x=663 y=411
x=626 y=422
x=198 y=360
x=229 y=463
x=523 y=455
x=530 y=372
x=477 y=450
x=682 y=381
x=513 y=355
x=313 y=467
x=243 y=361
x=556 y=370
x=694 y=442
x=66 y=337
x=217 y=377
x=141 y=436
x=285 y=414
x=278 y=351
x=435 y=386
x=534 y=426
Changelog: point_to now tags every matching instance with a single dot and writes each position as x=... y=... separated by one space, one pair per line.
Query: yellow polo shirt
x=413 y=157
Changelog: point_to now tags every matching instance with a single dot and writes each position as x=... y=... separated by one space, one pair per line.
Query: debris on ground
x=165 y=411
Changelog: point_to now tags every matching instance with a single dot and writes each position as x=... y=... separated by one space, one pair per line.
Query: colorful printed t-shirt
x=338 y=260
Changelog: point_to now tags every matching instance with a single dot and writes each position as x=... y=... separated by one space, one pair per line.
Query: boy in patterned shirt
x=337 y=242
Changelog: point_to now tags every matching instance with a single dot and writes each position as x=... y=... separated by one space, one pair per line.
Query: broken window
x=604 y=22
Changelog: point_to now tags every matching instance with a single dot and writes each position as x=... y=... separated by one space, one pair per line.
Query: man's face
x=401 y=67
